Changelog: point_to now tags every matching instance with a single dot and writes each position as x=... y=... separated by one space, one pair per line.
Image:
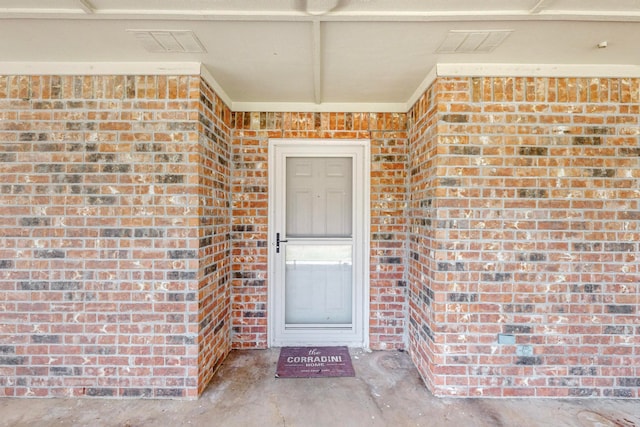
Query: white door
x=318 y=227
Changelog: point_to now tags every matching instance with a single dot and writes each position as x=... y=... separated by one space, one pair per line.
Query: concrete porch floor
x=386 y=391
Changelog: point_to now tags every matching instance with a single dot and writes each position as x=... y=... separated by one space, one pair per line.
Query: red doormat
x=314 y=362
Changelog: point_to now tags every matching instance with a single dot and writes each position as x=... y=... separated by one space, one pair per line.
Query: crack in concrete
x=588 y=418
x=494 y=419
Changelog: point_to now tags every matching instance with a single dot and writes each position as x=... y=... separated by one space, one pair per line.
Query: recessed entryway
x=318 y=231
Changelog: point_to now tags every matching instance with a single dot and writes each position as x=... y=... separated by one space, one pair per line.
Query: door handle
x=278 y=241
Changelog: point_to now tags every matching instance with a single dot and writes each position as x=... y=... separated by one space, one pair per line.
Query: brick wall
x=504 y=213
x=388 y=220
x=214 y=218
x=112 y=281
x=525 y=223
x=422 y=207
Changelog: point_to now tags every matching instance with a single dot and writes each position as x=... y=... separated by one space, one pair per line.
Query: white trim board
x=99 y=68
x=211 y=81
x=325 y=107
x=538 y=70
x=87 y=11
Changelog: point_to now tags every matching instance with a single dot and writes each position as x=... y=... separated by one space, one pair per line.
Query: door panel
x=319 y=196
x=337 y=213
x=299 y=200
x=318 y=258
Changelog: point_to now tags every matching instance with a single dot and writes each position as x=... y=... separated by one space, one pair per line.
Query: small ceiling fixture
x=481 y=41
x=322 y=7
x=603 y=45
x=169 y=41
x=319 y=7
x=86 y=6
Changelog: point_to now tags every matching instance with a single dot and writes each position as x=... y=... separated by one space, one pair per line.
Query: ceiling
x=315 y=55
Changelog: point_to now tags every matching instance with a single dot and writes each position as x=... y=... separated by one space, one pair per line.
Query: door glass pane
x=319 y=202
x=318 y=284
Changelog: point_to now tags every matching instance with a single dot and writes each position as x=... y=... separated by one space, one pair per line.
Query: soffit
x=325 y=54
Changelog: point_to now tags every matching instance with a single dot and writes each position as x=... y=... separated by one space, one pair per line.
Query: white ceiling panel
x=617 y=6
x=221 y=5
x=438 y=5
x=549 y=43
x=38 y=4
x=260 y=61
x=397 y=56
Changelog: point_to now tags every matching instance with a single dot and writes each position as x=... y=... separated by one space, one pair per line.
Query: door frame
x=358 y=335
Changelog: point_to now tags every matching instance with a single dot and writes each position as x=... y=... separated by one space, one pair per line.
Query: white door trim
x=358 y=336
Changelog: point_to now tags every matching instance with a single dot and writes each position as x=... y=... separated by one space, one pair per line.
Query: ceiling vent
x=483 y=41
x=169 y=41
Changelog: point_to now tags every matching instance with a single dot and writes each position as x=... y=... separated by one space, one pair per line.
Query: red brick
x=546 y=221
